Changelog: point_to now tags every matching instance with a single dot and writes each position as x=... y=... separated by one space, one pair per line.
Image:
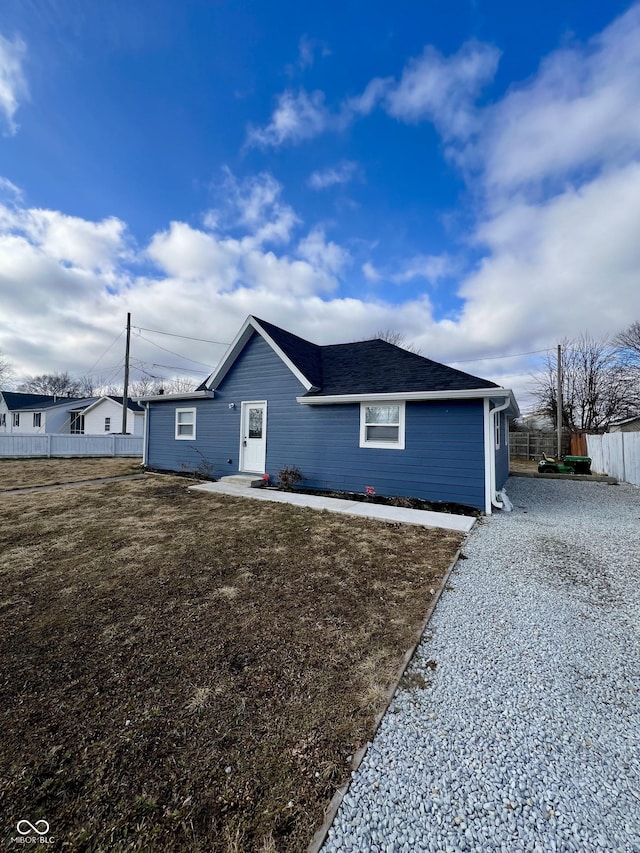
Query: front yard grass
x=184 y=671
x=21 y=473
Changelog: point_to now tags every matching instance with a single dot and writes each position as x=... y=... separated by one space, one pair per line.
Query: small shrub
x=288 y=477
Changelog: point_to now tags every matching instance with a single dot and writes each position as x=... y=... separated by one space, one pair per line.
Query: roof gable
x=359 y=368
x=299 y=355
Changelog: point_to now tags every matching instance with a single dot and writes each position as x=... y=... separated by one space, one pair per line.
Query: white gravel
x=519 y=725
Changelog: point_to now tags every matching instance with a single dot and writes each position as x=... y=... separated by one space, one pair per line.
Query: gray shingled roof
x=368 y=367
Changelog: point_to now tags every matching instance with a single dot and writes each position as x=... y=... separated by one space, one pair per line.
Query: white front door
x=253 y=437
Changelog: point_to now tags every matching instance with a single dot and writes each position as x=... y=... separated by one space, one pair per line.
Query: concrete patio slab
x=393 y=514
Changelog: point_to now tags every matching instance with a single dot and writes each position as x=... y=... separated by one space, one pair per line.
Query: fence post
x=49 y=445
x=624 y=468
x=113 y=445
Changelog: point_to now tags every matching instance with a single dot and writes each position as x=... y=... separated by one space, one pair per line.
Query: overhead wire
x=185 y=337
x=172 y=352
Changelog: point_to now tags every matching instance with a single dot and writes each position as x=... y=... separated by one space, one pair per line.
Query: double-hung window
x=185 y=423
x=107 y=424
x=16 y=419
x=382 y=425
x=37 y=420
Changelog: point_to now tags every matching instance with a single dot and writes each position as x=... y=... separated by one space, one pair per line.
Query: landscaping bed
x=407 y=503
x=183 y=672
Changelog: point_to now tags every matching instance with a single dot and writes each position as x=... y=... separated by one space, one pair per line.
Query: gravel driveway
x=518 y=727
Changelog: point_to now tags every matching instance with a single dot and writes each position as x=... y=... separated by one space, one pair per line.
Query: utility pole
x=559 y=402
x=125 y=396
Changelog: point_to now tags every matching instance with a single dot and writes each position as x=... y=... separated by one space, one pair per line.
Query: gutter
x=408 y=396
x=192 y=395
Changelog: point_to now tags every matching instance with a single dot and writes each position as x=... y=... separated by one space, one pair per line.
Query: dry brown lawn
x=185 y=671
x=20 y=473
x=523 y=465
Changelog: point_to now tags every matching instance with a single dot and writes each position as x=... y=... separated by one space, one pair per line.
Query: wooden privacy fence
x=531 y=444
x=616 y=454
x=12 y=446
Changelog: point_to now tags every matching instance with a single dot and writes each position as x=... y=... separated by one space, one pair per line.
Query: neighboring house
x=350 y=416
x=627 y=425
x=104 y=415
x=39 y=414
x=35 y=414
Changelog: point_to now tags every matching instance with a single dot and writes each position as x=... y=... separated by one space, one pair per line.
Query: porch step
x=249 y=481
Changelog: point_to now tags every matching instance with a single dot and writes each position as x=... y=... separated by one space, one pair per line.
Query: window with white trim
x=498 y=419
x=107 y=424
x=37 y=420
x=185 y=423
x=3 y=419
x=16 y=419
x=382 y=425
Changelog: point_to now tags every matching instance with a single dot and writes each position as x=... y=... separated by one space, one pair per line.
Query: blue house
x=348 y=416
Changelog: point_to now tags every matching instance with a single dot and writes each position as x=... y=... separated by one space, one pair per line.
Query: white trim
x=497 y=432
x=179 y=411
x=250 y=326
x=408 y=396
x=243 y=404
x=192 y=395
x=493 y=413
x=383 y=445
x=488 y=455
x=145 y=433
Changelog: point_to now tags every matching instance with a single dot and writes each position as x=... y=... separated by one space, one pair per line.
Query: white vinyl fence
x=616 y=454
x=70 y=445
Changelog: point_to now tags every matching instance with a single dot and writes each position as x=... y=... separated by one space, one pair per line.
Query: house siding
x=442 y=460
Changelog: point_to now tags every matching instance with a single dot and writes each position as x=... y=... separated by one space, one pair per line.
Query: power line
x=496 y=357
x=185 y=337
x=105 y=352
x=172 y=352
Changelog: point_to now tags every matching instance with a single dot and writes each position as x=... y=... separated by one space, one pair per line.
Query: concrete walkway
x=394 y=514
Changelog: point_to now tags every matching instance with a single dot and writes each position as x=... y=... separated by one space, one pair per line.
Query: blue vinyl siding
x=443 y=458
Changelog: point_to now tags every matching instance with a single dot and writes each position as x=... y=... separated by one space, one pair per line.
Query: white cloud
x=94 y=246
x=13 y=85
x=298 y=116
x=580 y=112
x=431 y=268
x=444 y=89
x=9 y=189
x=327 y=256
x=342 y=173
x=374 y=92
x=253 y=204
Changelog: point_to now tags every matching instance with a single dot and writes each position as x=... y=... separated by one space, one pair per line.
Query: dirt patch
x=19 y=473
x=523 y=465
x=188 y=673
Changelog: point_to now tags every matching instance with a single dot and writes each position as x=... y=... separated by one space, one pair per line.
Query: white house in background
x=35 y=414
x=103 y=415
x=41 y=414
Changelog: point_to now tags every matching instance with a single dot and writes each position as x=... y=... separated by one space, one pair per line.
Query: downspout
x=145 y=440
x=492 y=455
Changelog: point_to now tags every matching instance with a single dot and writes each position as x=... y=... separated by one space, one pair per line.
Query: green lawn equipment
x=564 y=465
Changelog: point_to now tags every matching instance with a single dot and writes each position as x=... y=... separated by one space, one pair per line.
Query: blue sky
x=463 y=172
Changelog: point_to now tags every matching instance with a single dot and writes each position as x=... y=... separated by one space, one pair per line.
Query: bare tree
x=597 y=386
x=145 y=385
x=398 y=339
x=61 y=384
x=179 y=385
x=628 y=343
x=5 y=369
